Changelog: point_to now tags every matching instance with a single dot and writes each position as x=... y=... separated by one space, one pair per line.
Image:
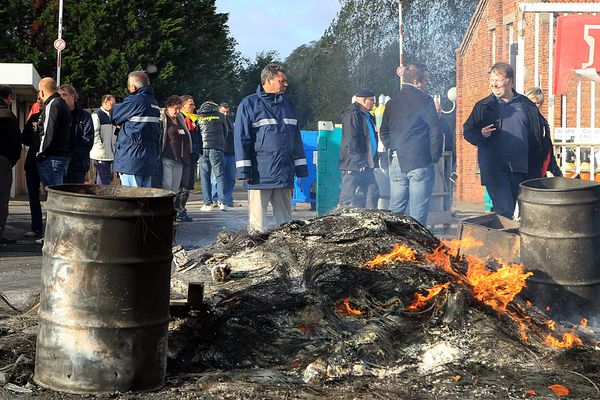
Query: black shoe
x=7 y=241
x=184 y=218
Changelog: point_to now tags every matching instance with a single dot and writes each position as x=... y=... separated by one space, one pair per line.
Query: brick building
x=524 y=33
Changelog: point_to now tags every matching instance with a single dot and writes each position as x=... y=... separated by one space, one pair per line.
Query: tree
x=187 y=40
x=249 y=73
x=360 y=50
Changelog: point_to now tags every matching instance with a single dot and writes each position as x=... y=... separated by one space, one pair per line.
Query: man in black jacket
x=358 y=152
x=10 y=151
x=82 y=136
x=212 y=128
x=410 y=131
x=54 y=153
x=507 y=129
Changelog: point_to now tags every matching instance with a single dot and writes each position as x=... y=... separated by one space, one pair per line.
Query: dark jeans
x=505 y=192
x=368 y=186
x=53 y=170
x=210 y=160
x=33 y=181
x=103 y=172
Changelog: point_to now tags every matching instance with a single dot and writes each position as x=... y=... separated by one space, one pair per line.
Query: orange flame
x=400 y=252
x=550 y=324
x=351 y=310
x=465 y=243
x=494 y=288
x=569 y=339
x=421 y=300
x=559 y=390
x=345 y=309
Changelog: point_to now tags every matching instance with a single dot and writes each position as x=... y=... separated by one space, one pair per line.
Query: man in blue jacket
x=268 y=149
x=410 y=131
x=137 y=146
x=508 y=131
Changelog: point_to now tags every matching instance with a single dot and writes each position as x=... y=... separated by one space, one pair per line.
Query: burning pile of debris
x=358 y=294
x=365 y=302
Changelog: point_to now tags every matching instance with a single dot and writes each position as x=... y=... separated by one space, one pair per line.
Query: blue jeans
x=53 y=170
x=411 y=191
x=32 y=178
x=103 y=172
x=229 y=168
x=136 y=180
x=210 y=160
x=367 y=184
x=505 y=192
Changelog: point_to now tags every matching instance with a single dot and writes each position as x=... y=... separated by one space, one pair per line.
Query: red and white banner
x=577 y=47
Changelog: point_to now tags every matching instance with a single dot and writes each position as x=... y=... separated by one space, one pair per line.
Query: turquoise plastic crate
x=487 y=201
x=329 y=177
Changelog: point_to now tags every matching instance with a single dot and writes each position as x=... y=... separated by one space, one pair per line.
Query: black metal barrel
x=560 y=243
x=104 y=312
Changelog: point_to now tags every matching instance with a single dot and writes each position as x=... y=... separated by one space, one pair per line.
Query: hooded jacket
x=212 y=126
x=10 y=135
x=485 y=112
x=138 y=141
x=268 y=145
x=355 y=149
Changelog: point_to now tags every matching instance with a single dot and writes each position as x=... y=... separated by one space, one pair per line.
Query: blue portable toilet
x=329 y=177
x=303 y=193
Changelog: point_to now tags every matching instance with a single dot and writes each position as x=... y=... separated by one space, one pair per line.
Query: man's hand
x=487 y=131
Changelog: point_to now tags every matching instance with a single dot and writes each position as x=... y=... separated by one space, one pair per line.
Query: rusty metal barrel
x=104 y=306
x=560 y=243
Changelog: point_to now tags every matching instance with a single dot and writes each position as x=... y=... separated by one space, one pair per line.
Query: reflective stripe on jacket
x=268 y=144
x=138 y=141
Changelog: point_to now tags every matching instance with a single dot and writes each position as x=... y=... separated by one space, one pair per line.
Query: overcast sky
x=262 y=25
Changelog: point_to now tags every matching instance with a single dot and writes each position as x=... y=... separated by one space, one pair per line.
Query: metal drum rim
x=55 y=189
x=68 y=390
x=587 y=185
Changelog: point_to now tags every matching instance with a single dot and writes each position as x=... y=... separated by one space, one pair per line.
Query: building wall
x=488 y=41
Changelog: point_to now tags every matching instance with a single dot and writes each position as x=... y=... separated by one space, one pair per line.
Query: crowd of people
x=152 y=146
x=144 y=144
x=512 y=136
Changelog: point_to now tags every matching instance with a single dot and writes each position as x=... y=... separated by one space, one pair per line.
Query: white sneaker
x=223 y=207
x=40 y=241
x=206 y=207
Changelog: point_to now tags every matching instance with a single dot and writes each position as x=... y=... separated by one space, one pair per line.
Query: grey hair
x=537 y=93
x=71 y=90
x=270 y=71
x=138 y=79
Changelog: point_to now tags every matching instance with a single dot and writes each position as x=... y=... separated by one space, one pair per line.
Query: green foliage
x=249 y=73
x=187 y=40
x=360 y=50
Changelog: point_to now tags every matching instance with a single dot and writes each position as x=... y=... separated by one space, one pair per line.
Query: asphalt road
x=21 y=263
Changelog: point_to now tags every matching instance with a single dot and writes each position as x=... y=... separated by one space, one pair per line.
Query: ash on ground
x=294 y=313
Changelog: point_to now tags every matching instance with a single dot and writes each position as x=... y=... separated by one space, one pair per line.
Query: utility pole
x=59 y=44
x=400 y=70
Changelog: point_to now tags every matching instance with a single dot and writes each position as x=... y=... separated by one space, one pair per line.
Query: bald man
x=54 y=153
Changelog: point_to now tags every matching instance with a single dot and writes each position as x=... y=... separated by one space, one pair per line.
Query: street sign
x=60 y=44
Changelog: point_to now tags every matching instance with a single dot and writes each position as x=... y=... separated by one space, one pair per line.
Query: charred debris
x=372 y=296
x=357 y=303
